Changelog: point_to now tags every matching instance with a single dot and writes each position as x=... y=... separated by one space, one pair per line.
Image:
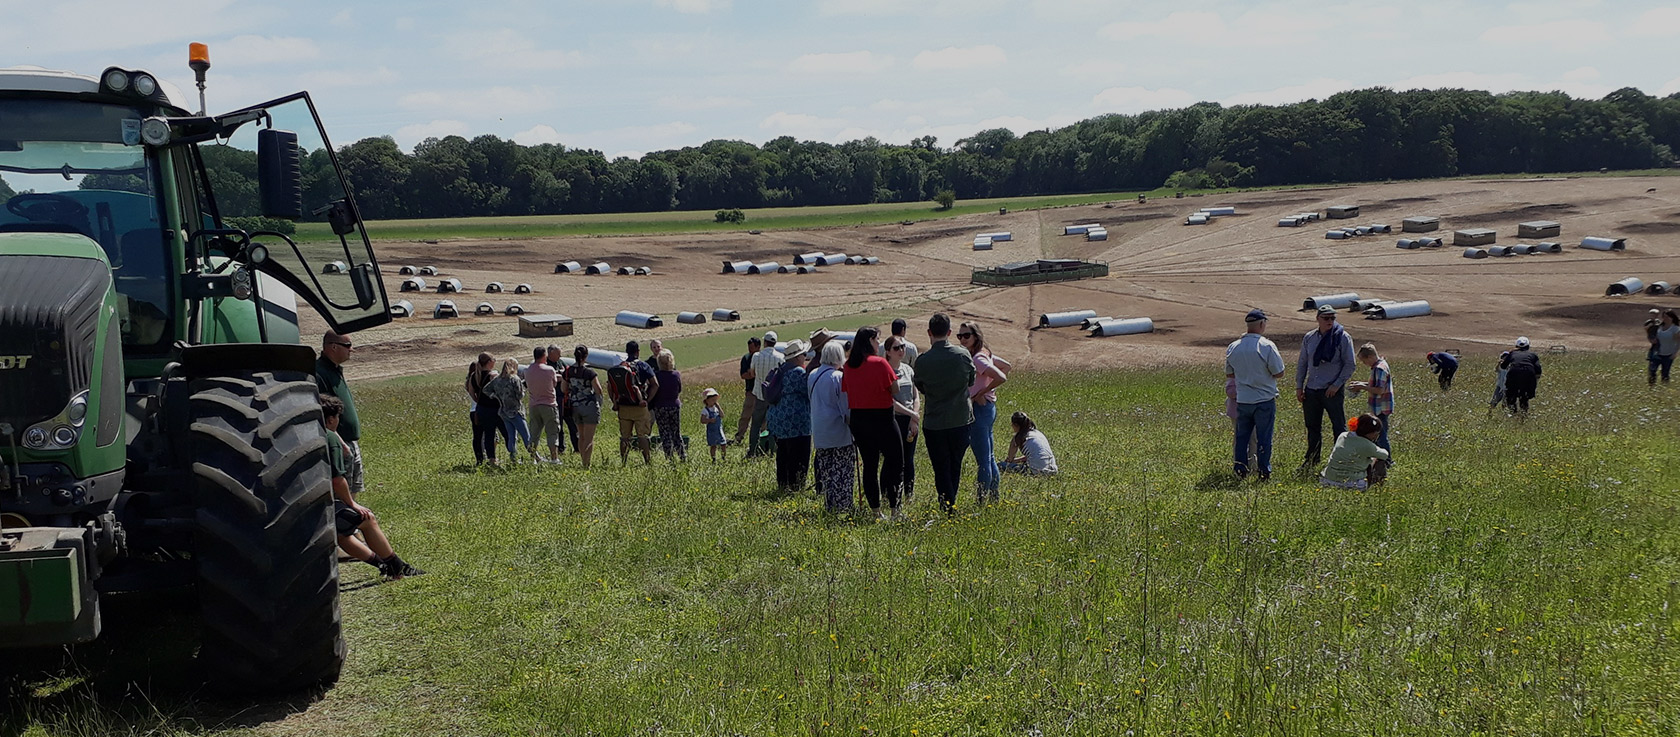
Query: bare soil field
x=1195 y=282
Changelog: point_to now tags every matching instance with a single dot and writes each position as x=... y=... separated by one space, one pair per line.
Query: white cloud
x=335 y=78
x=1656 y=23
x=537 y=135
x=953 y=58
x=409 y=135
x=693 y=6
x=1316 y=89
x=1139 y=99
x=1094 y=69
x=1565 y=33
x=800 y=125
x=509 y=50
x=1670 y=87
x=257 y=51
x=1182 y=24
x=851 y=62
x=1582 y=74
x=1462 y=80
x=497 y=101
x=861 y=7
x=691 y=102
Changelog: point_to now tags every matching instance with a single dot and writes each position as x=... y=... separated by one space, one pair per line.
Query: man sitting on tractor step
x=350 y=516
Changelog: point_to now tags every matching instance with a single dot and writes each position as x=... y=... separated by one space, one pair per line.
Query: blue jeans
x=512 y=425
x=1382 y=440
x=980 y=440
x=1255 y=419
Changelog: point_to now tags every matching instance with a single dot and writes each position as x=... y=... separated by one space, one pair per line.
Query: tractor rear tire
x=265 y=544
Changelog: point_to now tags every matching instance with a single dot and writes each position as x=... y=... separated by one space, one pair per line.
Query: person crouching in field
x=1443 y=365
x=1357 y=462
x=1029 y=451
x=348 y=516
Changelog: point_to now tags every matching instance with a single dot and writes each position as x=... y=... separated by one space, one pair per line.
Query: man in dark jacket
x=943 y=375
x=1321 y=372
x=1523 y=378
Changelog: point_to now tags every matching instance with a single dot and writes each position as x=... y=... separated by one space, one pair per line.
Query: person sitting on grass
x=1357 y=462
x=1029 y=451
x=349 y=517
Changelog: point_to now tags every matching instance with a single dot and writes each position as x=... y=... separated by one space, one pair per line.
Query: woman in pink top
x=983 y=393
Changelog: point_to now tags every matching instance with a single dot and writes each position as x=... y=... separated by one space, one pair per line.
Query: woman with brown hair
x=487 y=412
x=906 y=407
x=870 y=384
x=983 y=393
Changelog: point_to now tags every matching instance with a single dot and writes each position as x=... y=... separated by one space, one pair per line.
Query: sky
x=631 y=76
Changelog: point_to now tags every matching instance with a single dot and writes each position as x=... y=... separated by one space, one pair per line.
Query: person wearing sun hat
x=1522 y=377
x=711 y=415
x=1252 y=367
x=1322 y=370
x=789 y=421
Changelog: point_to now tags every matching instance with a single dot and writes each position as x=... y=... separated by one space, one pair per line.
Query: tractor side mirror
x=341 y=215
x=280 y=174
x=361 y=280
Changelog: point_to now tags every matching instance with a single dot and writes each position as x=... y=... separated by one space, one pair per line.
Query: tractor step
x=45 y=595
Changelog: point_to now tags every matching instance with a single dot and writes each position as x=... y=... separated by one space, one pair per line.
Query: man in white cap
x=1522 y=379
x=763 y=362
x=1254 y=362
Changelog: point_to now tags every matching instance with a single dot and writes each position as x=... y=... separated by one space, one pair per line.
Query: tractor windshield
x=69 y=166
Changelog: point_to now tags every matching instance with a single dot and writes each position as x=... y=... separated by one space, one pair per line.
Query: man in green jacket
x=943 y=375
x=329 y=379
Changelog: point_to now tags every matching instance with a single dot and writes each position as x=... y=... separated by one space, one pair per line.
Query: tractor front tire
x=265 y=545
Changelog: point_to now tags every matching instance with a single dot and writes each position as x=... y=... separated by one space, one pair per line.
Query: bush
x=946 y=198
x=254 y=223
x=732 y=215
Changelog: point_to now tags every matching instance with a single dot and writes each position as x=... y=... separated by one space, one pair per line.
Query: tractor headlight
x=116 y=80
x=35 y=437
x=145 y=84
x=155 y=131
x=61 y=432
x=63 y=435
x=77 y=411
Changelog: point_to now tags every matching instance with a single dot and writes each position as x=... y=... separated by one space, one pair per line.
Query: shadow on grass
x=139 y=677
x=1217 y=479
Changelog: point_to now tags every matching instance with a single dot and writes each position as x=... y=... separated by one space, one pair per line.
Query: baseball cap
x=770 y=336
x=1656 y=311
x=1522 y=342
x=1255 y=315
x=1327 y=310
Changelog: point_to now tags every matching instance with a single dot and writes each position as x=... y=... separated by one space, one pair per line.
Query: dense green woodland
x=1362 y=135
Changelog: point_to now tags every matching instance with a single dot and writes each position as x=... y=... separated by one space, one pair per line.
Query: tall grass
x=1511 y=578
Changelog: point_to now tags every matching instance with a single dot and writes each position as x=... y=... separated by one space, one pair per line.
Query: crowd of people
x=1360 y=452
x=847 y=416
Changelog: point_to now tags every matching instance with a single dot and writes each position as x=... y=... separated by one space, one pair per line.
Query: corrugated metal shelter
x=522 y=289
x=428 y=271
x=1407 y=243
x=604 y=359
x=568 y=267
x=444 y=310
x=1337 y=301
x=982 y=244
x=1123 y=326
x=494 y=287
x=403 y=308
x=1549 y=247
x=832 y=259
x=545 y=326
x=1630 y=285
x=1064 y=319
x=1078 y=229
x=643 y=320
x=405 y=271
x=413 y=285
x=449 y=286
x=1337 y=235
x=1420 y=224
x=1658 y=287
x=1475 y=237
x=1341 y=212
x=691 y=318
x=1196 y=219
x=736 y=267
x=998 y=237
x=807 y=258
x=1398 y=310
x=724 y=314
x=335 y=267
x=768 y=267
x=513 y=308
x=625 y=271
x=599 y=267
x=1539 y=229
x=484 y=309
x=1604 y=244
x=1475 y=253
x=1097 y=234
x=644 y=271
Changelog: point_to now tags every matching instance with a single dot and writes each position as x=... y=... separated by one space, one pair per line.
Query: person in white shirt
x=1254 y=362
x=1029 y=451
x=763 y=362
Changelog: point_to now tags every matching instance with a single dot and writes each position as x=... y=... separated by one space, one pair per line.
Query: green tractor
x=159 y=425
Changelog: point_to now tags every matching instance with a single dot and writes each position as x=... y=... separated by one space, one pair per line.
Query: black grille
x=49 y=315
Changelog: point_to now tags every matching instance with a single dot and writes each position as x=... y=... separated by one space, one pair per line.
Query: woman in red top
x=869 y=383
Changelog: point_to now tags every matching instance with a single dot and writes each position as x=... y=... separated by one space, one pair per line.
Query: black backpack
x=772 y=385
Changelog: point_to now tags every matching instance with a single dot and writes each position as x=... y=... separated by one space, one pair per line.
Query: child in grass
x=1379 y=391
x=711 y=415
x=1357 y=462
x=1029 y=451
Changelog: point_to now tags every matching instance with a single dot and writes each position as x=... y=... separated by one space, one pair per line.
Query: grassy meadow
x=1512 y=578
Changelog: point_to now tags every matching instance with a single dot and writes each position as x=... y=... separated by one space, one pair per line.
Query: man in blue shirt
x=1322 y=370
x=1255 y=363
x=1444 y=365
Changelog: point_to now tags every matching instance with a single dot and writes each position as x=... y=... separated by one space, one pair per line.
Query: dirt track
x=1194 y=281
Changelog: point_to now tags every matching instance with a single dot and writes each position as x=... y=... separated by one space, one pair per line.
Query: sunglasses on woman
x=965 y=335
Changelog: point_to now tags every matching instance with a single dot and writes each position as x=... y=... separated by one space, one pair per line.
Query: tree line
x=1361 y=135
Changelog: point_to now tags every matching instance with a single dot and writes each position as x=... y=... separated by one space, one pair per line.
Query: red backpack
x=627 y=385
